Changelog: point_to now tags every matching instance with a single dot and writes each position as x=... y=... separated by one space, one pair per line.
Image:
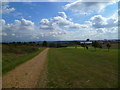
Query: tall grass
x=13 y=56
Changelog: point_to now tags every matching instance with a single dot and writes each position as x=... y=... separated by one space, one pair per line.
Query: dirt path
x=27 y=74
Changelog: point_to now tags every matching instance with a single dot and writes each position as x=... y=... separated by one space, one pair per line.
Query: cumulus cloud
x=60 y=28
x=26 y=30
x=56 y=28
x=5 y=8
x=62 y=14
x=60 y=21
x=88 y=7
x=19 y=30
x=2 y=22
x=102 y=27
x=45 y=24
x=99 y=21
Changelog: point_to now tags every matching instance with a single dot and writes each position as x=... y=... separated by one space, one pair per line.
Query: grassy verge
x=14 y=56
x=79 y=68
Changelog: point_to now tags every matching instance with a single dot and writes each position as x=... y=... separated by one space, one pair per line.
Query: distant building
x=87 y=42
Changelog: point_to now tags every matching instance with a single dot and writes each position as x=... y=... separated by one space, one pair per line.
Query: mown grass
x=13 y=56
x=79 y=68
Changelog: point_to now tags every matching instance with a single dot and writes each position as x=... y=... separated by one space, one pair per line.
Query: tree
x=58 y=45
x=100 y=45
x=76 y=43
x=87 y=39
x=108 y=45
x=45 y=44
x=84 y=45
x=52 y=45
x=95 y=44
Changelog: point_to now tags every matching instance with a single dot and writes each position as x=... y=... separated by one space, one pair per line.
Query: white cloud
x=60 y=28
x=44 y=21
x=2 y=22
x=62 y=14
x=81 y=7
x=25 y=30
x=56 y=28
x=5 y=8
x=60 y=22
x=99 y=21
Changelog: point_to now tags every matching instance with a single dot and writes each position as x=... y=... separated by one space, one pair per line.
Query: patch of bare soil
x=27 y=74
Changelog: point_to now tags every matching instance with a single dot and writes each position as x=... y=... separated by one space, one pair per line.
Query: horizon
x=61 y=40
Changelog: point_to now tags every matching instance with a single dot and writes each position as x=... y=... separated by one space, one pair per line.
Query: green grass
x=0 y=60
x=13 y=56
x=79 y=68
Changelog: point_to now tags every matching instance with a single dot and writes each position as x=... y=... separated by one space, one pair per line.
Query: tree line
x=95 y=44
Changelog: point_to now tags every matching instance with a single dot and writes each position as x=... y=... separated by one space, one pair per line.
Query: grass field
x=79 y=68
x=13 y=56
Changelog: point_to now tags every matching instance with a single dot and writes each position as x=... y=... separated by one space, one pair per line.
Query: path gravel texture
x=26 y=74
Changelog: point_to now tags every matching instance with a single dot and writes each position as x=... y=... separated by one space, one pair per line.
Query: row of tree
x=57 y=45
x=96 y=44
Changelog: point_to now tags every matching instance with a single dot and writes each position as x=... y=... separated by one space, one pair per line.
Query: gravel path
x=26 y=74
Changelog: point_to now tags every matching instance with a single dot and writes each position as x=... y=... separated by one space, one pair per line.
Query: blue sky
x=59 y=21
x=35 y=11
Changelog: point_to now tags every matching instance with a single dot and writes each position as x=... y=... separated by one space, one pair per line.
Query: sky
x=54 y=21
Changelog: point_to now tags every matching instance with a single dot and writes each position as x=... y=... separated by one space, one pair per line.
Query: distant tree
x=63 y=45
x=14 y=43
x=95 y=44
x=45 y=44
x=84 y=45
x=52 y=44
x=87 y=39
x=76 y=43
x=58 y=45
x=100 y=45
x=108 y=45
